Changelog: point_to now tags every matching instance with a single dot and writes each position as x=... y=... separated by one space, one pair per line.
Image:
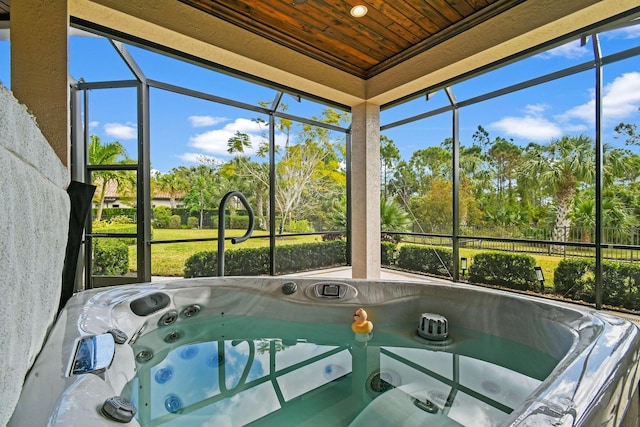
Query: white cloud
x=622 y=96
x=215 y=141
x=627 y=33
x=528 y=127
x=620 y=100
x=198 y=158
x=577 y=128
x=535 y=109
x=93 y=124
x=202 y=121
x=572 y=50
x=584 y=112
x=532 y=126
x=121 y=131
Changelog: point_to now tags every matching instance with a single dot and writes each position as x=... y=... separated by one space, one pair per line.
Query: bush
x=246 y=262
x=621 y=281
x=255 y=261
x=237 y=222
x=310 y=256
x=109 y=213
x=174 y=222
x=161 y=216
x=209 y=217
x=192 y=222
x=121 y=219
x=110 y=257
x=298 y=226
x=237 y=262
x=386 y=253
x=201 y=264
x=426 y=259
x=514 y=271
x=575 y=279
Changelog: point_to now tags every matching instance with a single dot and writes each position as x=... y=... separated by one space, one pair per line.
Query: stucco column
x=365 y=191
x=39 y=66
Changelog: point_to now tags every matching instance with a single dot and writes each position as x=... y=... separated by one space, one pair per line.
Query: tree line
x=502 y=184
x=548 y=185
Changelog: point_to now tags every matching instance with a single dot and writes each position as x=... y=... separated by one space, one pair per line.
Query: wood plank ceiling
x=389 y=33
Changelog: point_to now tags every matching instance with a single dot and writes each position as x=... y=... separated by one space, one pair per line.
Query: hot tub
x=281 y=351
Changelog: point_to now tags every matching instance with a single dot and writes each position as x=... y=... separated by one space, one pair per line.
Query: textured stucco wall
x=34 y=219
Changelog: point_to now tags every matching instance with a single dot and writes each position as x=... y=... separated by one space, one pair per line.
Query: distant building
x=113 y=198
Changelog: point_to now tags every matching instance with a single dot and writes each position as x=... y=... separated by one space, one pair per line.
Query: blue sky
x=184 y=129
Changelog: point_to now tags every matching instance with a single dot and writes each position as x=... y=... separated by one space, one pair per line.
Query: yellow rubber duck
x=360 y=323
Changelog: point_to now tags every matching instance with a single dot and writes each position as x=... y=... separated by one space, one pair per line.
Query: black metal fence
x=622 y=244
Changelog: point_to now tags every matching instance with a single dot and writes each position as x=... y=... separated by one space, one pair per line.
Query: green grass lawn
x=168 y=259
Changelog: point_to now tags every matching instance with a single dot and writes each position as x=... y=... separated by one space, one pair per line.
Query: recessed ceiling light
x=359 y=10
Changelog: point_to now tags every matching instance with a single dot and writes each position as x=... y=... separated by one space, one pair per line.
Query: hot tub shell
x=594 y=383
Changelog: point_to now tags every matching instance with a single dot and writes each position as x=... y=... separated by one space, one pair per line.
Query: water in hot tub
x=228 y=370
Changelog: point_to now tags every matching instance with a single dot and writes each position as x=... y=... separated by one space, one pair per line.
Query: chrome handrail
x=221 y=222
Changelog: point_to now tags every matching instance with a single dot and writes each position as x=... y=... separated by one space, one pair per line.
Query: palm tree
x=174 y=183
x=615 y=215
x=107 y=154
x=562 y=166
x=393 y=217
x=251 y=175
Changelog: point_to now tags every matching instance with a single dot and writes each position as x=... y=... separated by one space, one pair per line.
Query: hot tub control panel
x=331 y=290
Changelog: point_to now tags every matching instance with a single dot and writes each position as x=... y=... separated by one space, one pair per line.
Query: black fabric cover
x=80 y=195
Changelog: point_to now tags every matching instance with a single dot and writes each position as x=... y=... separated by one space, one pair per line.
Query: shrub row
x=255 y=261
x=575 y=279
x=508 y=270
x=514 y=271
x=108 y=213
x=426 y=259
x=166 y=217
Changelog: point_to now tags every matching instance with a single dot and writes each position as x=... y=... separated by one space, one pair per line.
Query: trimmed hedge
x=239 y=222
x=514 y=271
x=110 y=257
x=209 y=217
x=575 y=279
x=426 y=259
x=255 y=261
x=107 y=213
x=310 y=256
x=386 y=252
